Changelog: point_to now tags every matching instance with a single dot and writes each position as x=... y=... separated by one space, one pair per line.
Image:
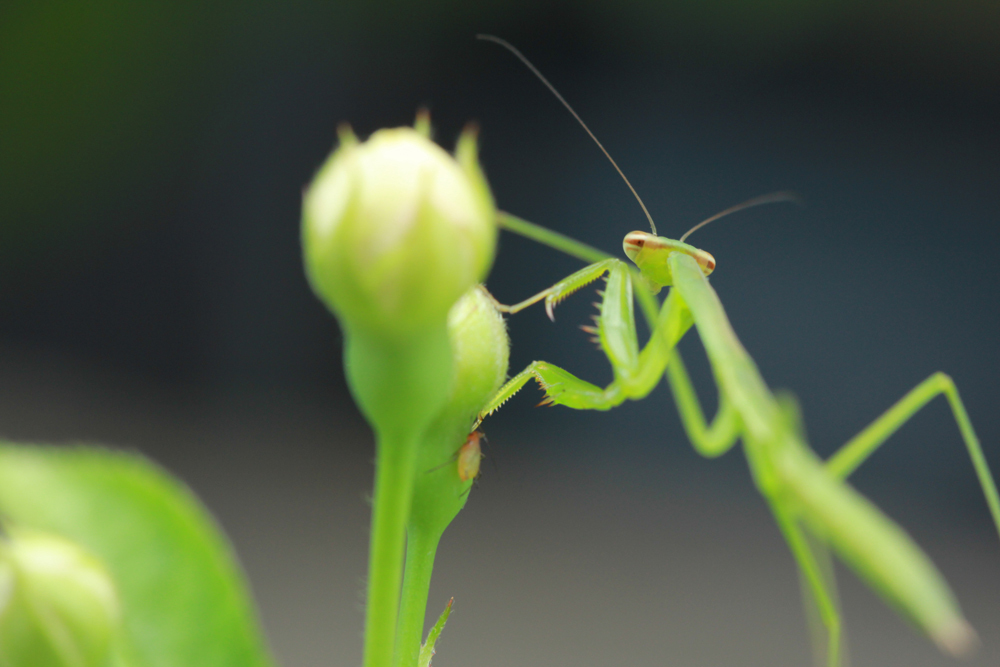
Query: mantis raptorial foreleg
x=636 y=372
x=562 y=289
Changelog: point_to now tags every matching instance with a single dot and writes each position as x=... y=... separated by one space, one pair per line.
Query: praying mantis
x=815 y=508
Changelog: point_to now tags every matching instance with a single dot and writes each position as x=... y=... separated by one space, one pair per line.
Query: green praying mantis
x=815 y=508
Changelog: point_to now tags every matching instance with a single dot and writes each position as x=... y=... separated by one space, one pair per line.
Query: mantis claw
x=550 y=305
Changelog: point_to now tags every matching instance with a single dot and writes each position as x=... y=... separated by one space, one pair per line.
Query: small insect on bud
x=396 y=230
x=58 y=606
x=469 y=456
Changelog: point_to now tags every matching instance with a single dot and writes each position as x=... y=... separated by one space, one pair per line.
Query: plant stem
x=390 y=512
x=421 y=546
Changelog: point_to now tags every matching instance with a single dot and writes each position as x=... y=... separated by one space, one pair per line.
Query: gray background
x=151 y=293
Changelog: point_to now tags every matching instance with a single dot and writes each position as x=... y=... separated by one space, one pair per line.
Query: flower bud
x=395 y=230
x=480 y=351
x=58 y=606
x=479 y=346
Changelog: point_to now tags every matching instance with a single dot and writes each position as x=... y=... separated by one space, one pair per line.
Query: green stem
x=421 y=546
x=400 y=384
x=390 y=512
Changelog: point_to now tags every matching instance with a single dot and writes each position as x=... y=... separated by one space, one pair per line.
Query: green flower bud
x=395 y=230
x=448 y=457
x=480 y=350
x=58 y=606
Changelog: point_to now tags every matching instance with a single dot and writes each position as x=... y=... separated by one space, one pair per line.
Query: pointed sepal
x=427 y=650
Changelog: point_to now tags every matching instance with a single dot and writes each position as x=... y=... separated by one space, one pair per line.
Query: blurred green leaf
x=184 y=598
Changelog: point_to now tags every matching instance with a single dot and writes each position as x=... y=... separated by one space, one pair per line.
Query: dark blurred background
x=152 y=158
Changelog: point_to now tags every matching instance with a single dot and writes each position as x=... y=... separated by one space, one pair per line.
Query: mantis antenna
x=520 y=56
x=756 y=201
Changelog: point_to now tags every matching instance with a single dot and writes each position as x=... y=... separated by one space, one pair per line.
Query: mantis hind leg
x=816 y=575
x=860 y=447
x=818 y=632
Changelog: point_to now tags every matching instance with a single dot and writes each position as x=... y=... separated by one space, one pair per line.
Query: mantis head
x=649 y=252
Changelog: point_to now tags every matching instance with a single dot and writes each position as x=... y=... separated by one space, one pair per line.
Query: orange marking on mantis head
x=469 y=456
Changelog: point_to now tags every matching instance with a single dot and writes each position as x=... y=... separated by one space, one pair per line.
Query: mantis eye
x=705 y=261
x=634 y=242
